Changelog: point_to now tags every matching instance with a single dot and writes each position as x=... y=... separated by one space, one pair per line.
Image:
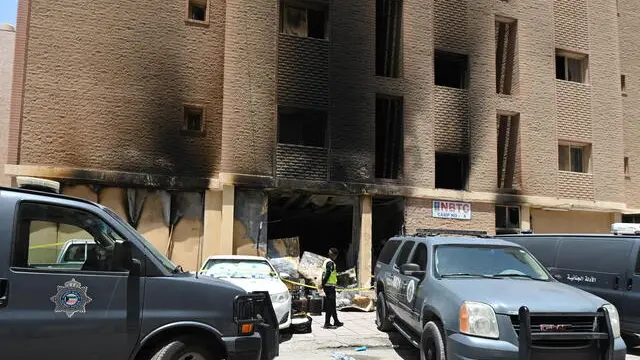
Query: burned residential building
x=217 y=126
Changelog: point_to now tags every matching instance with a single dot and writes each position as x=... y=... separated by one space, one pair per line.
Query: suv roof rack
x=436 y=232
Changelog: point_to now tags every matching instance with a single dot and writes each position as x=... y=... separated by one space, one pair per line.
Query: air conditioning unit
x=625 y=229
x=33 y=183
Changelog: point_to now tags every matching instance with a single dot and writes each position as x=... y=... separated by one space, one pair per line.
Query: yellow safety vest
x=333 y=276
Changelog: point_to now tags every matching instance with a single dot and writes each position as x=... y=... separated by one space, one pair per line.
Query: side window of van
x=59 y=237
x=405 y=251
x=420 y=256
x=594 y=255
x=388 y=251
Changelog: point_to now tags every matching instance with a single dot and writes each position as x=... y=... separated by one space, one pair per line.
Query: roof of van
x=47 y=194
x=458 y=240
x=566 y=235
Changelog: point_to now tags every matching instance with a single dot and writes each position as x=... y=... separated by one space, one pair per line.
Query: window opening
x=450 y=69
x=299 y=126
x=508 y=134
x=389 y=136
x=506 y=32
x=304 y=22
x=452 y=171
x=388 y=37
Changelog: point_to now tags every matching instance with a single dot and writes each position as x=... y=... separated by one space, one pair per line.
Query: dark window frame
x=189 y=11
x=465 y=162
x=409 y=244
x=187 y=111
x=388 y=251
x=415 y=252
x=307 y=8
x=451 y=60
x=298 y=126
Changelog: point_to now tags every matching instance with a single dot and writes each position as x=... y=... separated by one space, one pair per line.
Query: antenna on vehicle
x=436 y=232
x=39 y=184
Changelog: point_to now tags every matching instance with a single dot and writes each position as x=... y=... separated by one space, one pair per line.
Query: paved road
x=371 y=354
x=359 y=330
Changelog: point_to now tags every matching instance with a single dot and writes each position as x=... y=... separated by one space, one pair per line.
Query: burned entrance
x=319 y=221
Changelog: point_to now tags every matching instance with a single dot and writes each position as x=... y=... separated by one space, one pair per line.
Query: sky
x=8 y=10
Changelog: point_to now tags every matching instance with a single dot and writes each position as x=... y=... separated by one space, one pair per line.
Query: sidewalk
x=359 y=330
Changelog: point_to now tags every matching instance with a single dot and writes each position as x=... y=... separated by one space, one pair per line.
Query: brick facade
x=7 y=41
x=117 y=93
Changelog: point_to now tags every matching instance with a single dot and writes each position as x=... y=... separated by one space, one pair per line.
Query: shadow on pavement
x=285 y=335
x=402 y=347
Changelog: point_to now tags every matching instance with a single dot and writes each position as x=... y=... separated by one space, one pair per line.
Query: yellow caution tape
x=46 y=245
x=316 y=288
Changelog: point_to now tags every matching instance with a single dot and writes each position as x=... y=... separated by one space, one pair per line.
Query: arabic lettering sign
x=451 y=210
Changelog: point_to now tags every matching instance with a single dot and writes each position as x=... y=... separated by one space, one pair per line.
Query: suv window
x=388 y=251
x=43 y=230
x=405 y=250
x=638 y=263
x=420 y=256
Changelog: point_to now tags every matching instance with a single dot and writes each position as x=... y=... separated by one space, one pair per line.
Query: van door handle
x=4 y=293
x=616 y=284
x=630 y=284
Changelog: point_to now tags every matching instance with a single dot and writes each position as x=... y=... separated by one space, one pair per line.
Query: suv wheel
x=182 y=349
x=431 y=343
x=382 y=315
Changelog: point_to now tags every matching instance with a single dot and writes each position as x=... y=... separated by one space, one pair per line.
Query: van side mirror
x=122 y=255
x=411 y=269
x=284 y=275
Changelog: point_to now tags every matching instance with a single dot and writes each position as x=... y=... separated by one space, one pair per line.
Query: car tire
x=382 y=314
x=183 y=349
x=431 y=343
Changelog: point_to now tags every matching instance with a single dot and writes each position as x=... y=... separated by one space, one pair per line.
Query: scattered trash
x=363 y=348
x=341 y=356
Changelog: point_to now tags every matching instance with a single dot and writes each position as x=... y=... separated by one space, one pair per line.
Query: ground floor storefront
x=228 y=217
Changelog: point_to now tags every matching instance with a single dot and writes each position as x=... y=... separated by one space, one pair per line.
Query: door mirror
x=122 y=255
x=411 y=269
x=284 y=275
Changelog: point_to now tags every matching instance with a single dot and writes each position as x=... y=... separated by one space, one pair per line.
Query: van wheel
x=382 y=316
x=431 y=343
x=182 y=349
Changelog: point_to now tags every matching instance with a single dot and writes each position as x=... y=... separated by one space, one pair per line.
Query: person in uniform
x=329 y=282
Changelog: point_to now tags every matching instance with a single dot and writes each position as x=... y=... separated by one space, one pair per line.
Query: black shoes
x=337 y=325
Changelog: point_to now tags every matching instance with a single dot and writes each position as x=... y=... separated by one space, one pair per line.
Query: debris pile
x=284 y=254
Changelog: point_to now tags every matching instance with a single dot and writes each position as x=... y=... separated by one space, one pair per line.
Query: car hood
x=273 y=286
x=506 y=296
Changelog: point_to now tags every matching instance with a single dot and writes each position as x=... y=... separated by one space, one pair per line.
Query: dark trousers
x=330 y=305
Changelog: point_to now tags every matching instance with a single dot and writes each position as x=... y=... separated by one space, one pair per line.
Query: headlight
x=478 y=319
x=614 y=318
x=280 y=298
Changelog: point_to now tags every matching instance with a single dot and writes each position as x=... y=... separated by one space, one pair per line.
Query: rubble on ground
x=310 y=267
x=284 y=255
x=362 y=300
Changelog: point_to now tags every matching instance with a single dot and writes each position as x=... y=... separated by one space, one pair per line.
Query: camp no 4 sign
x=451 y=210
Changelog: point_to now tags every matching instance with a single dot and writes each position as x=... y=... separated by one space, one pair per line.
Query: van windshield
x=160 y=256
x=487 y=261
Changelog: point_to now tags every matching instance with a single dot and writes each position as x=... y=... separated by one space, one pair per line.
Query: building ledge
x=109 y=177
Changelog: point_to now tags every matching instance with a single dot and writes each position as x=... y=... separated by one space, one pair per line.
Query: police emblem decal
x=411 y=290
x=71 y=298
